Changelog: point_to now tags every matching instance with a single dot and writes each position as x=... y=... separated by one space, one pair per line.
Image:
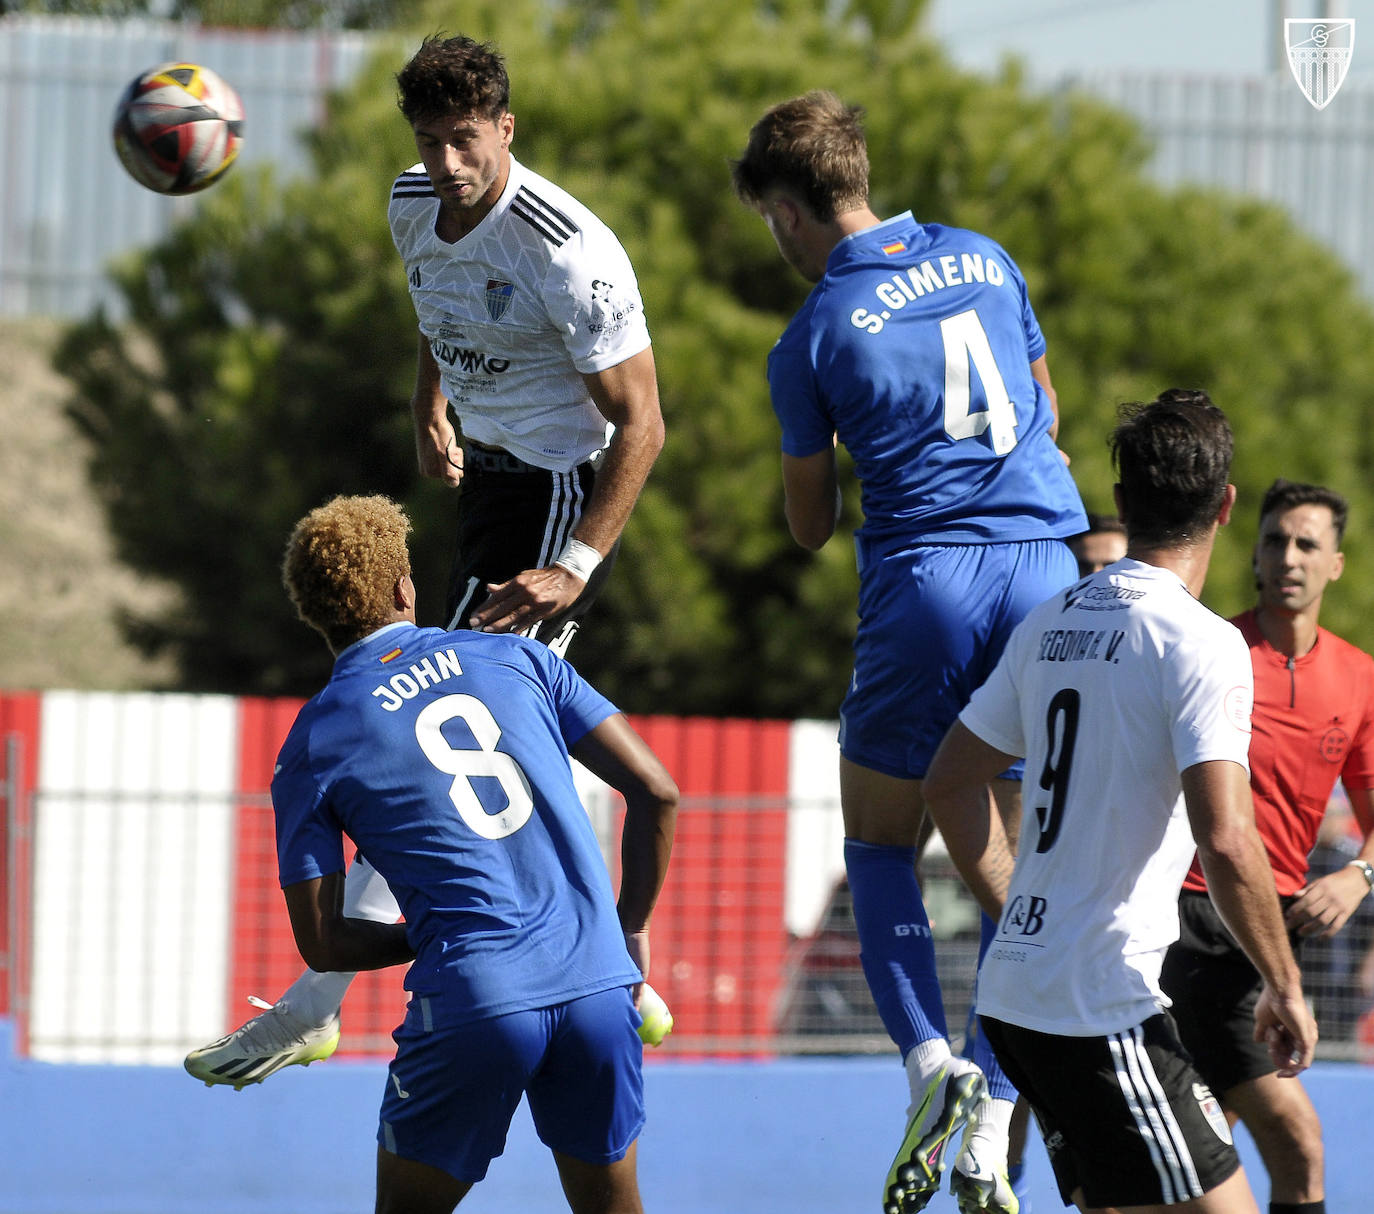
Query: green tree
x=268 y=354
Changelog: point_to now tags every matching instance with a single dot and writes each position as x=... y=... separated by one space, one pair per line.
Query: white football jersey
x=1110 y=690
x=517 y=310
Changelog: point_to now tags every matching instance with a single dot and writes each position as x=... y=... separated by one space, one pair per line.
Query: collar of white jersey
x=1128 y=566
x=517 y=177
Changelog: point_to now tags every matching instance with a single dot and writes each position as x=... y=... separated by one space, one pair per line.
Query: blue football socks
x=896 y=948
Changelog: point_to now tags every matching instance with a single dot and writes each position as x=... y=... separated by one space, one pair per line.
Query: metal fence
x=1259 y=137
x=151 y=915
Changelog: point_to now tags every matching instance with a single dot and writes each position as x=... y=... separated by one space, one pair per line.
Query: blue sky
x=1054 y=37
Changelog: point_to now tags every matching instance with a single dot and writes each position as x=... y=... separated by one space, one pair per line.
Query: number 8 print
x=466 y=764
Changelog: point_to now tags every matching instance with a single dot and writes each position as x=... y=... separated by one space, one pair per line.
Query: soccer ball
x=178 y=128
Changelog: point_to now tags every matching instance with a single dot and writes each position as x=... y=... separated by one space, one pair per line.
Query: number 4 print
x=967 y=348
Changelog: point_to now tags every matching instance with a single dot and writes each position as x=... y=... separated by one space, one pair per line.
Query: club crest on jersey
x=1319 y=56
x=499 y=295
x=1334 y=743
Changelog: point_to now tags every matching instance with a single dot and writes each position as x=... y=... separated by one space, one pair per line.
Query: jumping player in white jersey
x=535 y=396
x=444 y=756
x=1130 y=702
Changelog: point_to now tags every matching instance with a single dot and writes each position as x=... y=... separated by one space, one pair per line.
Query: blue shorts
x=933 y=620
x=451 y=1092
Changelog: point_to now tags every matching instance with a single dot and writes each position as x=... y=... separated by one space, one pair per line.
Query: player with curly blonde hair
x=342 y=563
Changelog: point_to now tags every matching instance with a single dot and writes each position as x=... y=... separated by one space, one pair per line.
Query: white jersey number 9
x=967 y=349
x=466 y=765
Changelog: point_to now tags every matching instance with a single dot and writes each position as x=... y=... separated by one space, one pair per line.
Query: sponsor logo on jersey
x=612 y=322
x=1025 y=915
x=499 y=295
x=1090 y=596
x=415 y=277
x=464 y=359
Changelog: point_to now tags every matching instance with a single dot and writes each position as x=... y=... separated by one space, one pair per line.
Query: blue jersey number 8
x=465 y=765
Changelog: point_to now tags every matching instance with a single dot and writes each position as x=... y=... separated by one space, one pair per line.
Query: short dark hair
x=1284 y=495
x=341 y=566
x=455 y=75
x=812 y=146
x=1173 y=460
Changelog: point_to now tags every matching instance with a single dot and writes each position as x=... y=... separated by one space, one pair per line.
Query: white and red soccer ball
x=178 y=128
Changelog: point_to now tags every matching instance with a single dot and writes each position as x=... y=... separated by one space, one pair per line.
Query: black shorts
x=1125 y=1117
x=1214 y=989
x=514 y=516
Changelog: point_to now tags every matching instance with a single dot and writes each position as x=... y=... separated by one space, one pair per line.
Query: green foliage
x=268 y=356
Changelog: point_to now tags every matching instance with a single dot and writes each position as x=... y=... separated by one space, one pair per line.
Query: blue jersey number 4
x=968 y=352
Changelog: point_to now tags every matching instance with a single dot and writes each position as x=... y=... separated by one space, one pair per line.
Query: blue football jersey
x=915 y=349
x=444 y=757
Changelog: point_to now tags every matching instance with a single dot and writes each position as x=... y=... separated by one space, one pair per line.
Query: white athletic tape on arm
x=579 y=559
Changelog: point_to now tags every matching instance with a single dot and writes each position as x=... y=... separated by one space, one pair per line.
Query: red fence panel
x=718 y=939
x=19 y=731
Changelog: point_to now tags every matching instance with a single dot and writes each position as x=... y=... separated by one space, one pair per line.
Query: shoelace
x=278 y=1030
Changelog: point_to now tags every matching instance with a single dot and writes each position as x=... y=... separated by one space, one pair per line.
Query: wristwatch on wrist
x=1366 y=870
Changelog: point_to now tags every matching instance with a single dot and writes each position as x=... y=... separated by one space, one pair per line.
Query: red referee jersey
x=1313 y=723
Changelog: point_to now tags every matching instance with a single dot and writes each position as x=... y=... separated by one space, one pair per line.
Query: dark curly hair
x=455 y=75
x=1173 y=460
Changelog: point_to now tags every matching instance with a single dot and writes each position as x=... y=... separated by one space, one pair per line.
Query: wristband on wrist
x=579 y=559
x=1366 y=871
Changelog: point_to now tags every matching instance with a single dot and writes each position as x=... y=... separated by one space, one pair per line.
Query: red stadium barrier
x=19 y=731
x=718 y=938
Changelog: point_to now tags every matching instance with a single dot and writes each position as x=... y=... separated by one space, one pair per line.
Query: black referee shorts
x=1214 y=989
x=514 y=516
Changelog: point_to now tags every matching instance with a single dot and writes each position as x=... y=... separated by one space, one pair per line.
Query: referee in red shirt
x=1313 y=724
